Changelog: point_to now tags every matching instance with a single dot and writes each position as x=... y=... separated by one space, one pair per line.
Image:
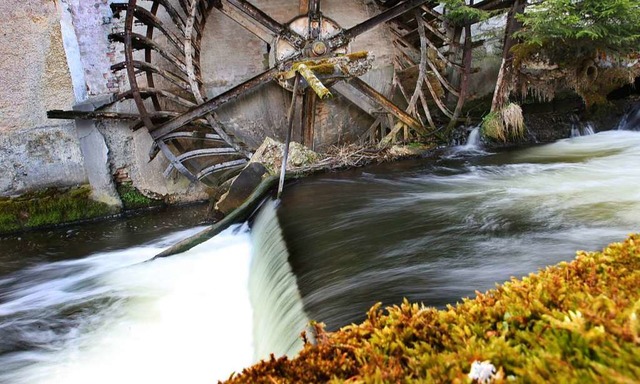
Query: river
x=81 y=304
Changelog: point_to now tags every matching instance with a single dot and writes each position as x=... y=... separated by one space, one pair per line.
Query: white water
x=472 y=147
x=473 y=140
x=585 y=129
x=110 y=318
x=278 y=312
x=631 y=120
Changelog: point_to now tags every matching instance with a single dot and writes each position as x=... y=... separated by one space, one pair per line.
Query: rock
x=270 y=154
x=266 y=161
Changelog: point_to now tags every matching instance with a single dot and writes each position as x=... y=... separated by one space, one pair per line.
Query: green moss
x=132 y=198
x=575 y=322
x=49 y=207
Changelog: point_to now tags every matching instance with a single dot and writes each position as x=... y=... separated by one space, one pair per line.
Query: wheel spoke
x=315 y=19
x=212 y=104
x=375 y=99
x=343 y=38
x=258 y=16
x=249 y=24
x=314 y=7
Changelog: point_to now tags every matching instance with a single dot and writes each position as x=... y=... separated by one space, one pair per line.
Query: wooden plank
x=386 y=104
x=238 y=215
x=214 y=103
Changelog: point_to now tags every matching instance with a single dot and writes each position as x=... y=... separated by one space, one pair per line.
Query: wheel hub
x=315 y=32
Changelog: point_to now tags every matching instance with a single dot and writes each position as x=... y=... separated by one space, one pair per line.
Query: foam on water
x=111 y=318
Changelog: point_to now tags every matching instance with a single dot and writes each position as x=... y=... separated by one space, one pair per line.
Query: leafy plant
x=564 y=29
x=459 y=13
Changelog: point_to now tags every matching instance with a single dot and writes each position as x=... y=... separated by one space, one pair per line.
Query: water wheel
x=188 y=106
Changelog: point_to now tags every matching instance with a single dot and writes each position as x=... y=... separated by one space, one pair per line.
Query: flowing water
x=85 y=305
x=81 y=304
x=436 y=231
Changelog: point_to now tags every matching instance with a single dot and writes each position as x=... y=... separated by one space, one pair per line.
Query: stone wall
x=57 y=55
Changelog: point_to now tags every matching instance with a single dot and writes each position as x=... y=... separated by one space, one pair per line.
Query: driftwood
x=239 y=215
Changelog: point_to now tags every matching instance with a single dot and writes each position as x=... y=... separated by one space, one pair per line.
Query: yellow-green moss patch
x=49 y=207
x=575 y=322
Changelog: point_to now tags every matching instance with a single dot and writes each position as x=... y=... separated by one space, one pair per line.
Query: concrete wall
x=35 y=152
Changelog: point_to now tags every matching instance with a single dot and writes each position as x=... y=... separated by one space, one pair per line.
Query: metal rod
x=285 y=154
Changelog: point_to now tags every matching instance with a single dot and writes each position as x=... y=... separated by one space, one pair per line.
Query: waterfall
x=585 y=129
x=472 y=147
x=278 y=314
x=473 y=140
x=631 y=120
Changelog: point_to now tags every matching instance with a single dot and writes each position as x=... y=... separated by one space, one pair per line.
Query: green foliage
x=49 y=207
x=575 y=322
x=458 y=12
x=134 y=199
x=569 y=29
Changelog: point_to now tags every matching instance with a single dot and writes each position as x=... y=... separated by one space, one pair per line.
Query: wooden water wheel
x=163 y=43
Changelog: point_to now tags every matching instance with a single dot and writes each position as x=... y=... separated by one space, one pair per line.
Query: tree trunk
x=504 y=84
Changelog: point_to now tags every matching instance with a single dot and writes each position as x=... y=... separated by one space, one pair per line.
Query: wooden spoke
x=263 y=33
x=343 y=38
x=266 y=21
x=214 y=103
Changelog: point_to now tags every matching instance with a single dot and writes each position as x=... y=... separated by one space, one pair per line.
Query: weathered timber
x=140 y=42
x=148 y=92
x=343 y=38
x=257 y=29
x=172 y=77
x=92 y=115
x=290 y=117
x=239 y=215
x=259 y=16
x=150 y=19
x=221 y=167
x=387 y=105
x=493 y=5
x=175 y=163
x=464 y=81
x=505 y=75
x=214 y=103
x=308 y=118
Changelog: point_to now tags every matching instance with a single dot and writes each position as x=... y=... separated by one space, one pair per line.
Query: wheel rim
x=172 y=102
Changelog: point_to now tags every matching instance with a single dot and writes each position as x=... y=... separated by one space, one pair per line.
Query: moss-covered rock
x=50 y=207
x=575 y=322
